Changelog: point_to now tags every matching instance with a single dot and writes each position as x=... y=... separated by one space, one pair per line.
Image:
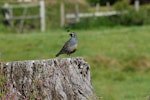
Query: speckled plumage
x=70 y=46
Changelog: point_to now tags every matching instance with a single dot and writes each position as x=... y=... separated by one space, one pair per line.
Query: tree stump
x=52 y=79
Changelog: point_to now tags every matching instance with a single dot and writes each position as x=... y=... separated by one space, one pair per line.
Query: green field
x=119 y=56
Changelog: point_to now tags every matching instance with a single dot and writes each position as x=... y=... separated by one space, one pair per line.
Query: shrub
x=122 y=5
x=102 y=2
x=134 y=18
x=94 y=22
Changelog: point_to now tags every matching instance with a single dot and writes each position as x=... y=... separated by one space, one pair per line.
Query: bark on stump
x=53 y=79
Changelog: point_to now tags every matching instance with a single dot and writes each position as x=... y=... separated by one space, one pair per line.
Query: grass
x=119 y=56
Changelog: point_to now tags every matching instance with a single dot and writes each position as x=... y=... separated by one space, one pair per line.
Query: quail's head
x=73 y=35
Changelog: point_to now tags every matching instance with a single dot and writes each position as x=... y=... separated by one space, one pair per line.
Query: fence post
x=136 y=5
x=8 y=14
x=42 y=15
x=108 y=6
x=97 y=7
x=77 y=13
x=62 y=15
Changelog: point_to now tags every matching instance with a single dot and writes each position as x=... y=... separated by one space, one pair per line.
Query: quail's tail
x=57 y=54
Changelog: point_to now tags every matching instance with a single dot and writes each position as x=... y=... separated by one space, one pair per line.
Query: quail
x=70 y=46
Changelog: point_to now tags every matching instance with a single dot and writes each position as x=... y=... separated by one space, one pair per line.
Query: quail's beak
x=70 y=34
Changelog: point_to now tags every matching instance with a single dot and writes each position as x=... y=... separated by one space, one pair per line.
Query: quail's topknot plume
x=70 y=46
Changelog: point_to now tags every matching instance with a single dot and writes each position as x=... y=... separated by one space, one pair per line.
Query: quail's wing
x=66 y=47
